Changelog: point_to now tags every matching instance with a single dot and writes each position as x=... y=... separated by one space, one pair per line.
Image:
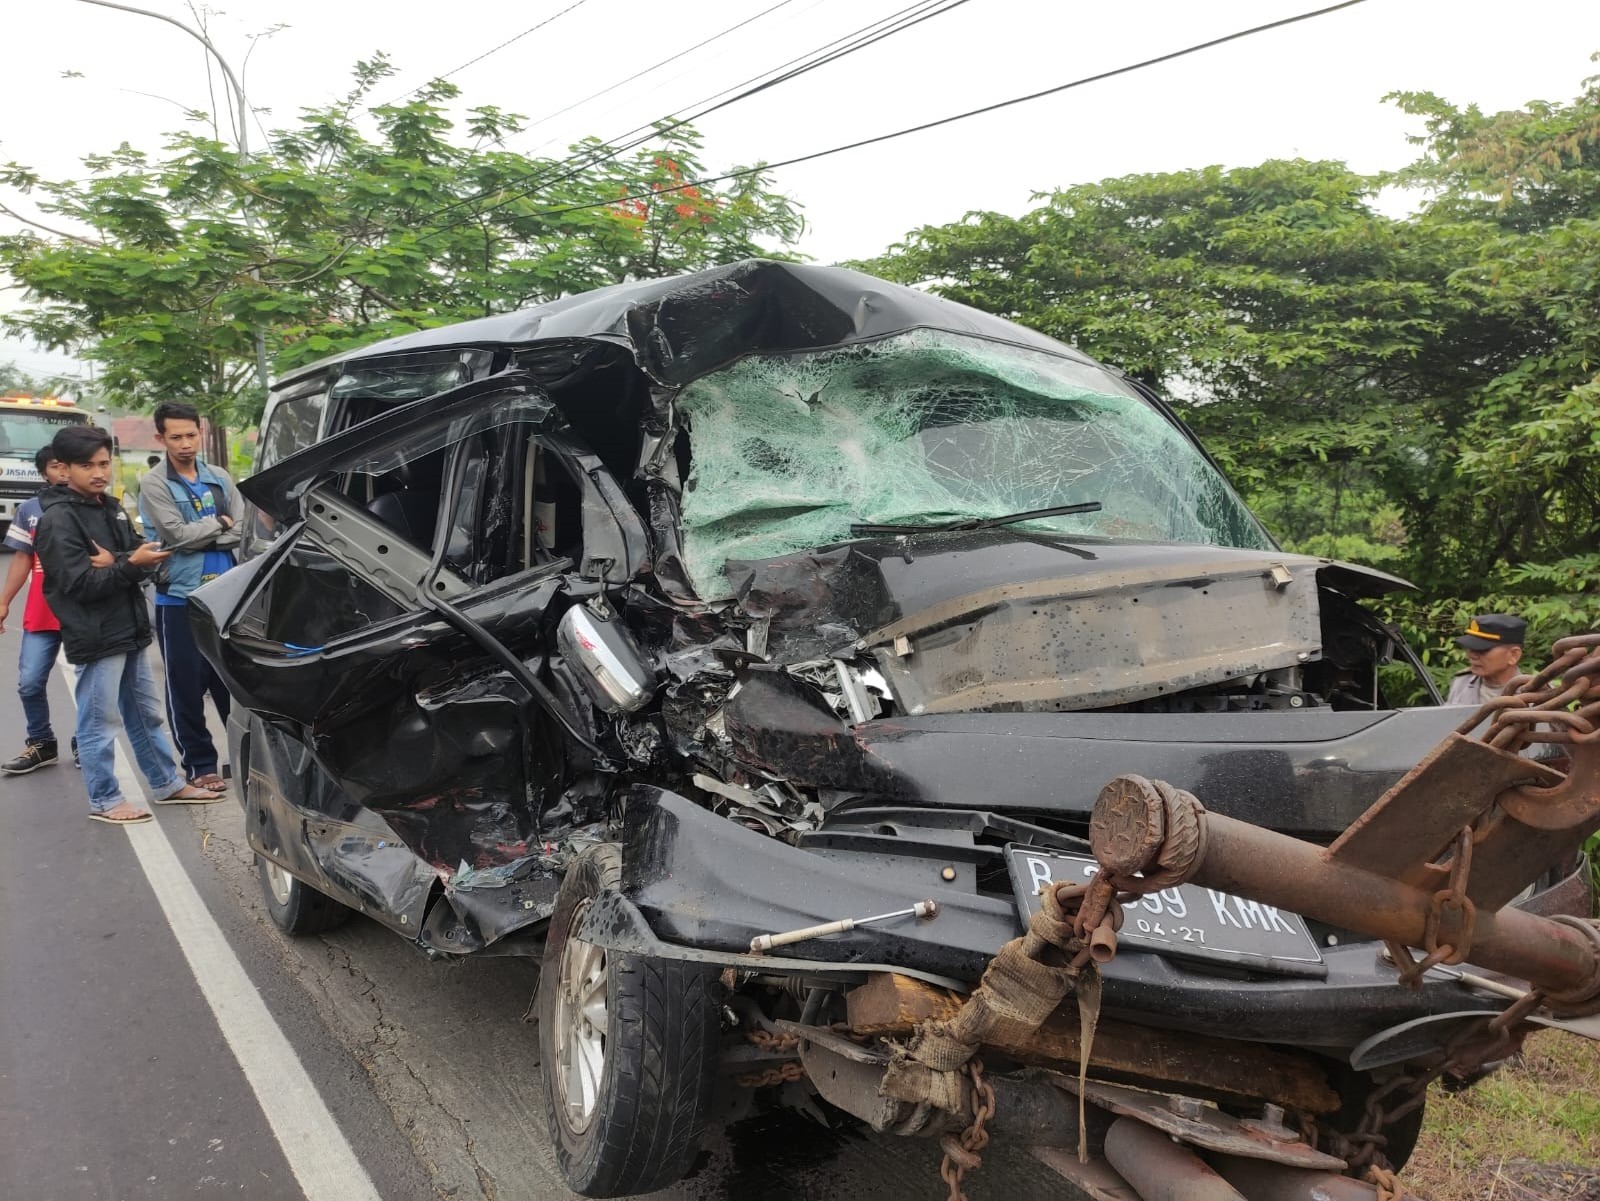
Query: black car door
x=396 y=628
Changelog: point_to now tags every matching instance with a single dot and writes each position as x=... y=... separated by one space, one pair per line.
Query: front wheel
x=296 y=907
x=628 y=1045
x=1400 y=1136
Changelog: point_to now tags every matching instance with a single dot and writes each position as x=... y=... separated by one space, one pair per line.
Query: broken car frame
x=751 y=647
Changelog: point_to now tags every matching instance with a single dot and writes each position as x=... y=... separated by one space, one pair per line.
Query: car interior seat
x=410 y=510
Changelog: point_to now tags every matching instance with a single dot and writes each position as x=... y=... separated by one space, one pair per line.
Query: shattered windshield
x=786 y=452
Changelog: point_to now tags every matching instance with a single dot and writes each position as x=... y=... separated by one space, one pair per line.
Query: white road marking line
x=316 y=1149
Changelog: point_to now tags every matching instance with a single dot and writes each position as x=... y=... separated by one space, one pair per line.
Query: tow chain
x=962 y=1152
x=1447 y=937
x=1363 y=1147
x=1074 y=928
x=780 y=1073
x=1387 y=1183
x=1467 y=1050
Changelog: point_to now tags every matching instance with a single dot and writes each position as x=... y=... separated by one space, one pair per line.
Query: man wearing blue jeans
x=41 y=632
x=94 y=573
x=193 y=509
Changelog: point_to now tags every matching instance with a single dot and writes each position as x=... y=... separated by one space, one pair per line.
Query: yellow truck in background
x=26 y=424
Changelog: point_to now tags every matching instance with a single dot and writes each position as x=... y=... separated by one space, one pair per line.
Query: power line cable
x=571 y=167
x=652 y=124
x=857 y=39
x=656 y=66
x=817 y=56
x=640 y=97
x=760 y=168
x=926 y=125
x=492 y=50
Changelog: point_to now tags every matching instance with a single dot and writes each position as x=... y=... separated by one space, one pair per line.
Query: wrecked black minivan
x=670 y=632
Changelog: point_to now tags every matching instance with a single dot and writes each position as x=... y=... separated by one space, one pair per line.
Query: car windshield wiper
x=971 y=523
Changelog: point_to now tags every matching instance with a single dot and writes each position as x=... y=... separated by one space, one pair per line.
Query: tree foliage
x=1421 y=393
x=361 y=221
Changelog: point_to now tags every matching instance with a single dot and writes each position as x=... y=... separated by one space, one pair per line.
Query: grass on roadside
x=1542 y=1110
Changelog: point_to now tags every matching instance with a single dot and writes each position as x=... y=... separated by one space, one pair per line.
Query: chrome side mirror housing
x=605 y=658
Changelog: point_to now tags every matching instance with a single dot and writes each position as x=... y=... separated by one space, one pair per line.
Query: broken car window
x=295 y=423
x=310 y=600
x=442 y=430
x=406 y=377
x=787 y=451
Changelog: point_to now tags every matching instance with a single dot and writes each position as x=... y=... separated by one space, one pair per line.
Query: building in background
x=136 y=441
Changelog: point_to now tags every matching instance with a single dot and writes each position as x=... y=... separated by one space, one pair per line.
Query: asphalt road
x=121 y=1077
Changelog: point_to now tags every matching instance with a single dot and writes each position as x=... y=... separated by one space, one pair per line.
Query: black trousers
x=189 y=678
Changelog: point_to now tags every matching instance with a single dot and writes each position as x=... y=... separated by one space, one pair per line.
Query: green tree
x=14 y=379
x=359 y=221
x=1532 y=439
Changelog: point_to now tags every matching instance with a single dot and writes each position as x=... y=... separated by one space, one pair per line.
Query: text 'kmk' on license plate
x=1190 y=921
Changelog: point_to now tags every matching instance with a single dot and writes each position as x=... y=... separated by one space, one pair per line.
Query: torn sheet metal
x=409 y=434
x=298 y=817
x=482 y=905
x=680 y=328
x=1007 y=619
x=1092 y=639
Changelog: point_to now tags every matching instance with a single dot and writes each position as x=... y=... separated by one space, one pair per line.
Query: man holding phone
x=193 y=510
x=94 y=573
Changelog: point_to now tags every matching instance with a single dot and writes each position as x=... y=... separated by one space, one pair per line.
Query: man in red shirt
x=41 y=632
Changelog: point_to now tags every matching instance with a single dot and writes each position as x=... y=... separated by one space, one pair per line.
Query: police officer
x=1493 y=643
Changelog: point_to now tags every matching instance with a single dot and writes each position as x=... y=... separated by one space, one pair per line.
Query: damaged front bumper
x=700 y=887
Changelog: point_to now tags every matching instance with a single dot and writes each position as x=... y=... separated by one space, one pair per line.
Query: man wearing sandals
x=193 y=509
x=94 y=574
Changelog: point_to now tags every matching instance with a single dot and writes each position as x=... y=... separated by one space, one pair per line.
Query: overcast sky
x=1311 y=90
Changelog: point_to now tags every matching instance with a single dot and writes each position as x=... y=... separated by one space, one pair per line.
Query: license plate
x=1188 y=921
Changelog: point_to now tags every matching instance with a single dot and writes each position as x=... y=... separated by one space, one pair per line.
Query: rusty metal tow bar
x=1433 y=864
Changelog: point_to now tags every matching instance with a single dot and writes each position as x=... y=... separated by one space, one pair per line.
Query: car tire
x=628 y=1085
x=1402 y=1135
x=296 y=907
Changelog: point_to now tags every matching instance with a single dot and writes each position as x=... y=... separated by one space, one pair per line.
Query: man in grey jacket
x=194 y=510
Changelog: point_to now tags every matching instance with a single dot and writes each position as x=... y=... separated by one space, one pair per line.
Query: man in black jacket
x=94 y=571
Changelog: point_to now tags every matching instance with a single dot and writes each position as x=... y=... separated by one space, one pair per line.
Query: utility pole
x=218 y=452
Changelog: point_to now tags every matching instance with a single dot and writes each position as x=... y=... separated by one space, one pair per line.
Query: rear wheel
x=295 y=906
x=627 y=1045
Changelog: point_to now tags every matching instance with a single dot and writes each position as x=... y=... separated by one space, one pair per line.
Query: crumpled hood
x=824 y=601
x=1004 y=648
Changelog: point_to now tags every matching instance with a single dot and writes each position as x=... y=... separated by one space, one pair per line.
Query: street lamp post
x=242 y=135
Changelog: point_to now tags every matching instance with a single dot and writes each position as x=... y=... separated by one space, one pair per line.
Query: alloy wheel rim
x=279 y=881
x=581 y=1021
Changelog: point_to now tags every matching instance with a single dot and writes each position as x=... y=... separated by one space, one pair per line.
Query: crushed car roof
x=682 y=327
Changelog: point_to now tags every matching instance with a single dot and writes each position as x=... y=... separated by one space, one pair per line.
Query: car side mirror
x=601 y=653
